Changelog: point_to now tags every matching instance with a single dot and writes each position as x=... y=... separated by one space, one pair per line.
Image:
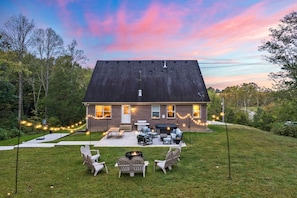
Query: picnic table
x=114 y=131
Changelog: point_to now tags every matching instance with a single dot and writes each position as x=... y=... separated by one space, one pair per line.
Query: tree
x=16 y=33
x=65 y=93
x=67 y=74
x=47 y=45
x=214 y=108
x=77 y=55
x=282 y=51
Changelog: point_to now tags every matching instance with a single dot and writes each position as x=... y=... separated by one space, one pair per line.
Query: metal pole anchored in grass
x=228 y=145
x=17 y=157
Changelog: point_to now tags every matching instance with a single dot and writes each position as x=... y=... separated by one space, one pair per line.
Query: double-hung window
x=103 y=111
x=170 y=111
x=196 y=111
x=155 y=111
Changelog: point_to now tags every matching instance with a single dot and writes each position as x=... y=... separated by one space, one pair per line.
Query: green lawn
x=262 y=165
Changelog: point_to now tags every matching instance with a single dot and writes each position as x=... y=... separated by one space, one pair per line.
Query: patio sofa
x=164 y=129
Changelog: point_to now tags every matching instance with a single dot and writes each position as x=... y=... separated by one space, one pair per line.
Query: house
x=151 y=91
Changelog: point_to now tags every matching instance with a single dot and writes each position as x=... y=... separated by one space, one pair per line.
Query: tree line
x=272 y=108
x=41 y=78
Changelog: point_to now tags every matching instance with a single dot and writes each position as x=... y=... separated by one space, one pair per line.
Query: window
x=155 y=111
x=103 y=111
x=170 y=111
x=196 y=111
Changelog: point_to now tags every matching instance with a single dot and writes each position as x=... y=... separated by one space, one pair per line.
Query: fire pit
x=131 y=154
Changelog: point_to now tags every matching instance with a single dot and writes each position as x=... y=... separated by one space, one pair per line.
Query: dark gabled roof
x=119 y=81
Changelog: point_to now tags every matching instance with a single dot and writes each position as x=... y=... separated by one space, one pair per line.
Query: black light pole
x=228 y=142
x=17 y=159
x=228 y=145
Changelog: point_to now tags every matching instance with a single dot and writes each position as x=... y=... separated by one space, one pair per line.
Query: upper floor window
x=155 y=111
x=103 y=111
x=170 y=111
x=196 y=111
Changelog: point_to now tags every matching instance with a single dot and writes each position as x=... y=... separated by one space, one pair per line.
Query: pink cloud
x=250 y=26
x=222 y=82
x=63 y=3
x=144 y=33
x=74 y=30
x=98 y=27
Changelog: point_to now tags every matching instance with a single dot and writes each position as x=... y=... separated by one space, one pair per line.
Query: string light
x=197 y=122
x=94 y=117
x=70 y=128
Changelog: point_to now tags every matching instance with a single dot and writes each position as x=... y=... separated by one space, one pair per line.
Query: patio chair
x=144 y=139
x=175 y=157
x=165 y=164
x=95 y=167
x=124 y=165
x=179 y=147
x=85 y=150
x=138 y=166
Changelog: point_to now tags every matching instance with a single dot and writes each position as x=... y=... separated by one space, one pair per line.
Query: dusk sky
x=223 y=36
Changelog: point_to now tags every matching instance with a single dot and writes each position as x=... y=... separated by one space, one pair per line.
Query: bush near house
x=7 y=134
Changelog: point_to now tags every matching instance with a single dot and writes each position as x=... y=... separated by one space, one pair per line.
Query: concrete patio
x=127 y=140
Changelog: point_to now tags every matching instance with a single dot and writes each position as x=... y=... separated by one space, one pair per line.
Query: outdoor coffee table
x=167 y=140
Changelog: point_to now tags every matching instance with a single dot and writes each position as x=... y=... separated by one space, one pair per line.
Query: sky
x=223 y=36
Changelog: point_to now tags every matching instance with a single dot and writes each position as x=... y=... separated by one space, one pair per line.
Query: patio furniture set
x=168 y=134
x=133 y=161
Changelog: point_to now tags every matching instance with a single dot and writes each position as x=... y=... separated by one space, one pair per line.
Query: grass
x=24 y=138
x=262 y=165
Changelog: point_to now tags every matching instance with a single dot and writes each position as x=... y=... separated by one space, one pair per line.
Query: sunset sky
x=223 y=36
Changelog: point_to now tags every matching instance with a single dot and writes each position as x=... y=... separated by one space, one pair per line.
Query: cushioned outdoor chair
x=176 y=135
x=138 y=166
x=124 y=165
x=144 y=139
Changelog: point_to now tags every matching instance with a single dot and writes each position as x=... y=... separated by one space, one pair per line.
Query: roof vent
x=139 y=90
x=165 y=66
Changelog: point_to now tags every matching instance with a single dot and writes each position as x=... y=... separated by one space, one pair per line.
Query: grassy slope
x=262 y=165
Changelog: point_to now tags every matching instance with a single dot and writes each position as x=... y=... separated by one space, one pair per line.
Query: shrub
x=263 y=120
x=8 y=133
x=285 y=130
x=3 y=134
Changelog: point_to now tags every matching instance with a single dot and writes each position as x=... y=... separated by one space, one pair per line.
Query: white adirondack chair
x=95 y=167
x=85 y=150
x=164 y=164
